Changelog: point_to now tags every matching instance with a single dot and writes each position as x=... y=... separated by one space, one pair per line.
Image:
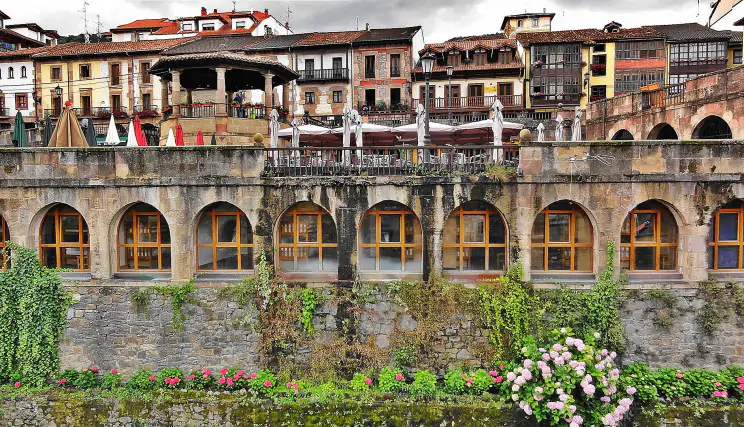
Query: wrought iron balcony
x=146 y=110
x=473 y=102
x=328 y=74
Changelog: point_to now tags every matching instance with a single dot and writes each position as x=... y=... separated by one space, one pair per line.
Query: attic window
x=239 y=24
x=599 y=47
x=535 y=22
x=453 y=58
x=187 y=26
x=520 y=23
x=208 y=27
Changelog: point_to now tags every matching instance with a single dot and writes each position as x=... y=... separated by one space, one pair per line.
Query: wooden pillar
x=176 y=95
x=163 y=92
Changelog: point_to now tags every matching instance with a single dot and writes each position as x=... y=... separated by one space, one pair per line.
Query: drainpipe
x=131 y=83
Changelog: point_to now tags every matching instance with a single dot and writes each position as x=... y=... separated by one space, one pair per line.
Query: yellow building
x=734 y=51
x=99 y=79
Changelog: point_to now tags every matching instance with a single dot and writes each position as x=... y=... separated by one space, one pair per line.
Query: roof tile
x=81 y=49
x=690 y=32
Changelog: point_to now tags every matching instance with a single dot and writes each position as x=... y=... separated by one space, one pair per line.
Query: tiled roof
x=482 y=36
x=6 y=34
x=736 y=36
x=23 y=53
x=170 y=27
x=470 y=44
x=387 y=35
x=144 y=24
x=165 y=26
x=340 y=37
x=83 y=49
x=276 y=42
x=212 y=44
x=690 y=32
x=3 y=15
x=589 y=36
x=517 y=65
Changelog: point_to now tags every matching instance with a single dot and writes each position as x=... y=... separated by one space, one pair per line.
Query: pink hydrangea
x=498 y=379
x=223 y=372
x=267 y=384
x=229 y=382
x=631 y=390
x=253 y=376
x=398 y=377
x=221 y=380
x=511 y=376
x=368 y=381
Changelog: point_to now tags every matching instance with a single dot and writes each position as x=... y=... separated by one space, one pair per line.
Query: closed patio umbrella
x=421 y=124
x=132 y=135
x=139 y=133
x=68 y=133
x=559 y=128
x=90 y=134
x=576 y=127
x=48 y=129
x=498 y=127
x=540 y=133
x=346 y=131
x=199 y=138
x=274 y=128
x=19 y=130
x=170 y=141
x=214 y=139
x=179 y=135
x=112 y=135
x=359 y=132
x=295 y=133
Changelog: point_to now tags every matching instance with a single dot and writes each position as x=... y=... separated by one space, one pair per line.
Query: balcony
x=473 y=102
x=325 y=75
x=383 y=107
x=203 y=111
x=144 y=111
x=540 y=99
x=98 y=112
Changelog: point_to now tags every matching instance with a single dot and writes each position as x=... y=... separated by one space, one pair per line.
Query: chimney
x=204 y=11
x=215 y=11
x=367 y=26
x=266 y=11
x=545 y=10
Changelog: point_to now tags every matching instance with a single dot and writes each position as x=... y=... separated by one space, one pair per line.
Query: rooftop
x=22 y=53
x=107 y=48
x=525 y=16
x=588 y=36
x=166 y=26
x=690 y=32
x=3 y=15
x=12 y=36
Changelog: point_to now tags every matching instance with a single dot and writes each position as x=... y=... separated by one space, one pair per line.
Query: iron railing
x=323 y=75
x=384 y=161
x=324 y=121
x=144 y=110
x=472 y=102
x=106 y=112
x=382 y=107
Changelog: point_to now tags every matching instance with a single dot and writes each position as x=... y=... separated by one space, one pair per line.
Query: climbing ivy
x=33 y=308
x=180 y=295
x=308 y=302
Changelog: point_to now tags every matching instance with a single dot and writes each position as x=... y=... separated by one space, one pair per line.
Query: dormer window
x=453 y=58
x=239 y=24
x=520 y=23
x=505 y=56
x=599 y=47
x=535 y=22
x=480 y=57
x=208 y=27
x=187 y=26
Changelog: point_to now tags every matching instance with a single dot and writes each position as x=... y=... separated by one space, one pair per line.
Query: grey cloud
x=630 y=5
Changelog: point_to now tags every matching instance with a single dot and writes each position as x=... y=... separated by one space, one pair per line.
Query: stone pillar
x=163 y=92
x=346 y=220
x=285 y=95
x=189 y=96
x=176 y=93
x=221 y=108
x=268 y=90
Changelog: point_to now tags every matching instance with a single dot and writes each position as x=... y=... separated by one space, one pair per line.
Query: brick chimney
x=204 y=11
x=215 y=11
x=266 y=11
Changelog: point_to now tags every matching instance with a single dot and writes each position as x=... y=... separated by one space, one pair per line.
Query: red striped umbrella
x=179 y=136
x=199 y=138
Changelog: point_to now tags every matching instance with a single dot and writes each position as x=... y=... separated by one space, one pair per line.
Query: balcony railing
x=473 y=102
x=106 y=112
x=374 y=161
x=232 y=110
x=697 y=62
x=383 y=107
x=324 y=75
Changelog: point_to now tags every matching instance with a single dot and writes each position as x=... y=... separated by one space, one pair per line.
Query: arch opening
x=712 y=127
x=143 y=240
x=475 y=238
x=64 y=240
x=649 y=238
x=224 y=239
x=662 y=131
x=308 y=240
x=562 y=239
x=390 y=239
x=622 y=135
x=726 y=237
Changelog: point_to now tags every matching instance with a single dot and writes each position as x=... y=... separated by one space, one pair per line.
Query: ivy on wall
x=33 y=309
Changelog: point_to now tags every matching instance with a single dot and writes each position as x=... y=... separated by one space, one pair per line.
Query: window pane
x=583 y=259
x=307 y=228
x=367 y=259
x=413 y=260
x=148 y=229
x=166 y=258
x=70 y=258
x=496 y=229
x=204 y=231
x=48 y=235
x=286 y=259
x=246 y=232
x=452 y=230
x=70 y=229
x=625 y=231
x=205 y=258
x=668 y=258
x=728 y=257
x=728 y=227
x=559 y=259
x=368 y=234
x=165 y=237
x=668 y=228
x=330 y=259
x=246 y=258
x=644 y=227
x=50 y=257
x=496 y=259
x=475 y=228
x=558 y=227
x=583 y=229
x=389 y=228
x=227 y=229
x=227 y=258
x=474 y=259
x=390 y=259
x=286 y=229
x=413 y=229
x=126 y=258
x=147 y=258
x=329 y=229
x=308 y=259
x=538 y=261
x=645 y=258
x=451 y=260
x=538 y=229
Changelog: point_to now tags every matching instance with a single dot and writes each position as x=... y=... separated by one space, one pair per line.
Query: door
x=115 y=104
x=475 y=96
x=86 y=104
x=56 y=106
x=452 y=95
x=310 y=69
x=395 y=98
x=506 y=93
x=337 y=68
x=369 y=98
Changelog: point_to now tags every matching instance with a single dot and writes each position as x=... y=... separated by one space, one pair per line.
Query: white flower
x=515 y=397
x=596 y=335
x=515 y=387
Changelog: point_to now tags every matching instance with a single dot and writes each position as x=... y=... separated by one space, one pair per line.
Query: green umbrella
x=48 y=129
x=90 y=133
x=19 y=131
x=214 y=140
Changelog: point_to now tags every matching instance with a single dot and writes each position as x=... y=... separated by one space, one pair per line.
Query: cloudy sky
x=441 y=19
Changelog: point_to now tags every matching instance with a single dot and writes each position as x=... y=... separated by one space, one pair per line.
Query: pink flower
x=240 y=373
x=741 y=386
x=151 y=378
x=207 y=372
x=493 y=373
x=113 y=371
x=267 y=384
x=176 y=380
x=399 y=377
x=223 y=372
x=469 y=384
x=62 y=381
x=18 y=384
x=192 y=377
x=205 y=376
x=236 y=377
x=253 y=376
x=679 y=375
x=245 y=376
x=717 y=384
x=85 y=369
x=229 y=382
x=502 y=367
x=740 y=380
x=368 y=381
x=94 y=368
x=221 y=380
x=499 y=379
x=631 y=390
x=717 y=393
x=296 y=386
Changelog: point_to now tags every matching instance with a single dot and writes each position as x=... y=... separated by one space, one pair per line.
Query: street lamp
x=450 y=70
x=58 y=91
x=586 y=86
x=427 y=63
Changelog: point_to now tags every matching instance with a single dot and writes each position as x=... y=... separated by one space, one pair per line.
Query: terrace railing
x=473 y=102
x=327 y=74
x=146 y=110
x=383 y=161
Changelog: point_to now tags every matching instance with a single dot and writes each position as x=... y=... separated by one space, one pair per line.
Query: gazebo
x=224 y=73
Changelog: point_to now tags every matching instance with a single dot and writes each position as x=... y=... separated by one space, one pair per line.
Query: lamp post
x=58 y=92
x=586 y=86
x=450 y=70
x=427 y=63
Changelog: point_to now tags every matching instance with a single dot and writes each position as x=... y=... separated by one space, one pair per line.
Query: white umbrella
x=311 y=130
x=274 y=128
x=295 y=133
x=171 y=140
x=540 y=133
x=131 y=137
x=559 y=128
x=488 y=124
x=498 y=127
x=434 y=127
x=363 y=127
x=112 y=136
x=576 y=128
x=421 y=123
x=346 y=130
x=359 y=132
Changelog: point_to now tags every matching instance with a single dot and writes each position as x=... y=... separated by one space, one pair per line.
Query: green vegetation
x=180 y=295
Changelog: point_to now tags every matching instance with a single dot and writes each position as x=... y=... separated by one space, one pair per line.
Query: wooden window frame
x=118 y=75
x=461 y=213
x=216 y=244
x=657 y=244
x=51 y=73
x=80 y=72
x=338 y=100
x=59 y=244
x=21 y=97
x=716 y=244
x=296 y=244
x=402 y=245
x=136 y=244
x=571 y=244
x=145 y=77
x=23 y=72
x=309 y=98
x=11 y=73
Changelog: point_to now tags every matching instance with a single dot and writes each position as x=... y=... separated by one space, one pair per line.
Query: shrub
x=360 y=382
x=640 y=376
x=454 y=381
x=86 y=378
x=200 y=380
x=143 y=380
x=670 y=383
x=232 y=378
x=424 y=384
x=475 y=382
x=170 y=378
x=391 y=380
x=111 y=380
x=261 y=382
x=569 y=381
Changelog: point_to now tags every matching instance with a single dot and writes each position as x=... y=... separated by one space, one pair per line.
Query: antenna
x=84 y=11
x=98 y=27
x=233 y=5
x=289 y=14
x=357 y=22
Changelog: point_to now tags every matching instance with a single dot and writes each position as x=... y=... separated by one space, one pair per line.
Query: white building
x=17 y=84
x=35 y=32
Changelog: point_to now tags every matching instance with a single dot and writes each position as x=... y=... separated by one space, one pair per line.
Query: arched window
x=648 y=239
x=726 y=241
x=10 y=72
x=622 y=135
x=224 y=239
x=390 y=239
x=307 y=239
x=4 y=237
x=562 y=239
x=475 y=238
x=662 y=131
x=63 y=240
x=23 y=72
x=712 y=127
x=144 y=240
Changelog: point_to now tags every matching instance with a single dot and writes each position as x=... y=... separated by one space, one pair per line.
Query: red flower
x=113 y=371
x=267 y=384
x=94 y=368
x=240 y=373
x=221 y=380
x=499 y=379
x=192 y=376
x=205 y=376
x=18 y=384
x=236 y=377
x=253 y=376
x=229 y=382
x=399 y=377
x=223 y=372
x=62 y=381
x=151 y=378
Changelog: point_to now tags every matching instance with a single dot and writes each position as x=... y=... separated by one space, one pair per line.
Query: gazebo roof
x=231 y=60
